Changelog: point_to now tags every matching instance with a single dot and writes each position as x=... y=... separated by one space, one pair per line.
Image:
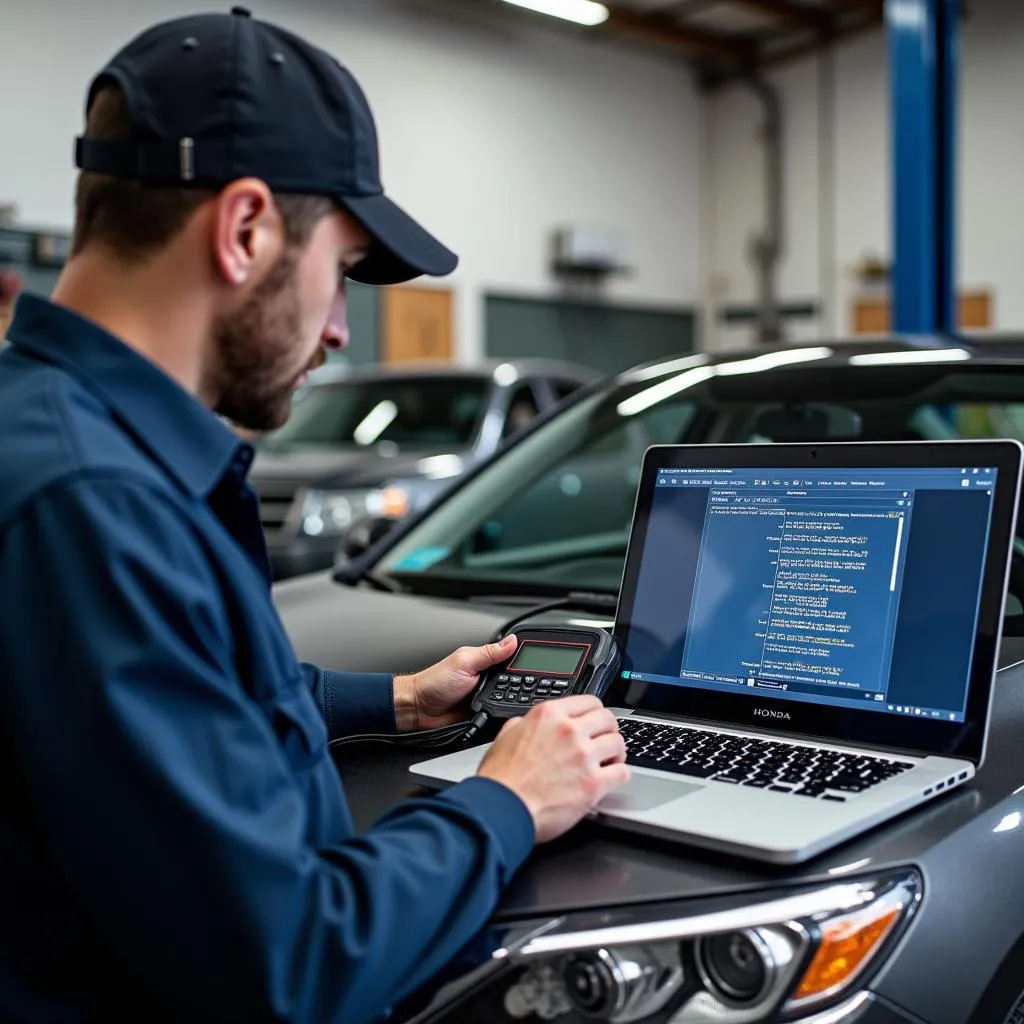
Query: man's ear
x=248 y=235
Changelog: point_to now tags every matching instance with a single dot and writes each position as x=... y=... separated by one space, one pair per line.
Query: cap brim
x=400 y=249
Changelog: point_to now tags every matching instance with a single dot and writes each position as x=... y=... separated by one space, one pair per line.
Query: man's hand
x=438 y=696
x=560 y=759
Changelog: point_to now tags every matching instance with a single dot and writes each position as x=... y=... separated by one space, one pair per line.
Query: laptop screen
x=851 y=589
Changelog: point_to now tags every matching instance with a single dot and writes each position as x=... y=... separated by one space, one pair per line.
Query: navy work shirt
x=174 y=839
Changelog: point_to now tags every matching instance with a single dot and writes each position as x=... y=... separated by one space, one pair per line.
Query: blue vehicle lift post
x=923 y=53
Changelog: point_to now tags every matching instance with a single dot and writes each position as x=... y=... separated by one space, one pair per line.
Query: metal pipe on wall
x=829 y=321
x=767 y=247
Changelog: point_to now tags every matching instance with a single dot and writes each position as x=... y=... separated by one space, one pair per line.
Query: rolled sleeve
x=175 y=817
x=353 y=703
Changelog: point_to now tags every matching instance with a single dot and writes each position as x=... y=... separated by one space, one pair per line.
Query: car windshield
x=554 y=511
x=423 y=412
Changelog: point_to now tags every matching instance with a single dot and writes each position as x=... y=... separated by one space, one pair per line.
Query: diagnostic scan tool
x=549 y=663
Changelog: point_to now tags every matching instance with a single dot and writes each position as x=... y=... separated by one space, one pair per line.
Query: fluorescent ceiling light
x=666 y=389
x=924 y=355
x=772 y=360
x=583 y=12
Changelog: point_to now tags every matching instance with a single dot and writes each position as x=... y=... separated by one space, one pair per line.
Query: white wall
x=991 y=213
x=494 y=129
x=836 y=216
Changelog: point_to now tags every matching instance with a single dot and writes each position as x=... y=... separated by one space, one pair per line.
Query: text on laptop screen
x=819 y=587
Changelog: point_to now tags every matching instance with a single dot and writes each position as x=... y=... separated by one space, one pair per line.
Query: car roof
x=892 y=357
x=938 y=354
x=482 y=370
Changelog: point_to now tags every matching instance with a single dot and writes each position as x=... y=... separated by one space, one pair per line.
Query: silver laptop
x=809 y=636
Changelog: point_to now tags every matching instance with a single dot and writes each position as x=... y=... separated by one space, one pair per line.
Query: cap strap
x=214 y=163
x=166 y=163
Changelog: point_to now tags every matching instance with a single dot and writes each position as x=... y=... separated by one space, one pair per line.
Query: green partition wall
x=609 y=338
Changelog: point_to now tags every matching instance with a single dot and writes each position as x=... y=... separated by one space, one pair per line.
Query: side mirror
x=364 y=533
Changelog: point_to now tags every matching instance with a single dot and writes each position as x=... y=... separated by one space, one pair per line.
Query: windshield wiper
x=586 y=600
x=355 y=574
x=521 y=595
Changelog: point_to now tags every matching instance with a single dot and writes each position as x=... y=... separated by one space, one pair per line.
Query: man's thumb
x=479 y=659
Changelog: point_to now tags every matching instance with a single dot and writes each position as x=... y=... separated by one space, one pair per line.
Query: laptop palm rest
x=645 y=793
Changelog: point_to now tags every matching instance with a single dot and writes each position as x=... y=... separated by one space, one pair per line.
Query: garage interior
x=685 y=228
x=775 y=115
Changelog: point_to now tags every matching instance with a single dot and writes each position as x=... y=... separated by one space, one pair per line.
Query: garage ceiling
x=726 y=39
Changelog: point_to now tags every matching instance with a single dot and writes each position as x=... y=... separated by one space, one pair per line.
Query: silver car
x=384 y=442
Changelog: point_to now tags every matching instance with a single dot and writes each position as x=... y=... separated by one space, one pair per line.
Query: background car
x=386 y=442
x=539 y=534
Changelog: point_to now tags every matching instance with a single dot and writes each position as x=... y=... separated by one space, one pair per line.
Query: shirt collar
x=177 y=430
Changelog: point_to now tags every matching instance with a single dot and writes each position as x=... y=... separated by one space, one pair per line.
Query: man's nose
x=336 y=332
x=334 y=338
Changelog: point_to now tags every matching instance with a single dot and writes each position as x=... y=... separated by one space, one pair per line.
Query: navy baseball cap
x=217 y=97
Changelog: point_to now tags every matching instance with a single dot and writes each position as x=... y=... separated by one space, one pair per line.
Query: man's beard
x=255 y=350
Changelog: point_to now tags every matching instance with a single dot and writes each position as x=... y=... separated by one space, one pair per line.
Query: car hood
x=315 y=467
x=363 y=630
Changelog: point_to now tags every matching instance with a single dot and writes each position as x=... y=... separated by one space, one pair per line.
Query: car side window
x=564 y=388
x=522 y=411
x=982 y=419
x=579 y=509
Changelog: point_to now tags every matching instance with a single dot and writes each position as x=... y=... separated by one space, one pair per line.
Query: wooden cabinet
x=416 y=324
x=871 y=315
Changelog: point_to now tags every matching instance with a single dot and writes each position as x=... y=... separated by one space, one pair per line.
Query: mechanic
x=175 y=842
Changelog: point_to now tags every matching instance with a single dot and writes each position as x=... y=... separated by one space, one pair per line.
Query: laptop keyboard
x=760 y=763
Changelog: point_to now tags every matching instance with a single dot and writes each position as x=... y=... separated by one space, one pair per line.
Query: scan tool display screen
x=548 y=659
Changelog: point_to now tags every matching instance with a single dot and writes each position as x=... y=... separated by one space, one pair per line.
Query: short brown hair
x=132 y=219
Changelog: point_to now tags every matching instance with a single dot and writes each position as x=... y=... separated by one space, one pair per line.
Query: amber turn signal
x=847 y=946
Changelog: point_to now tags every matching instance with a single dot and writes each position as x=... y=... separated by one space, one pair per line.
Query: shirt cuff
x=502 y=812
x=355 y=703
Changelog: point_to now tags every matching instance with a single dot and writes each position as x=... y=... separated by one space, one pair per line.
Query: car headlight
x=330 y=513
x=787 y=958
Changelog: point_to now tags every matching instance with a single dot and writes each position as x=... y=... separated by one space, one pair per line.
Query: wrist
x=407 y=713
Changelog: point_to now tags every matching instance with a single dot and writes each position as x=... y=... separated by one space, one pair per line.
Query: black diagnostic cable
x=443 y=736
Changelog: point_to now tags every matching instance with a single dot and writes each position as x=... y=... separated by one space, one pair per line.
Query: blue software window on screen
x=851 y=588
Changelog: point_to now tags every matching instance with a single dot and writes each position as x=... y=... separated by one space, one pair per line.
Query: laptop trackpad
x=644 y=793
